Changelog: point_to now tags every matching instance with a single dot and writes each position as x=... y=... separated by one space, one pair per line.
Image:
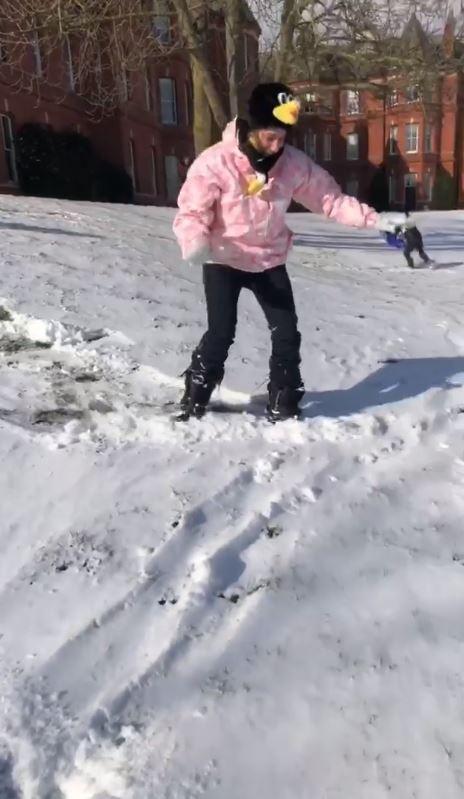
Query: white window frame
x=428 y=138
x=9 y=148
x=124 y=86
x=37 y=55
x=352 y=102
x=188 y=102
x=410 y=180
x=176 y=160
x=133 y=166
x=173 y=117
x=428 y=186
x=327 y=146
x=161 y=24
x=309 y=102
x=310 y=144
x=412 y=94
x=392 y=188
x=246 y=53
x=69 y=64
x=410 y=139
x=393 y=140
x=148 y=90
x=352 y=187
x=154 y=172
x=393 y=98
x=352 y=150
x=98 y=67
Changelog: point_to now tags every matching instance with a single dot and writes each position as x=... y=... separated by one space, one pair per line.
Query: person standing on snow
x=231 y=220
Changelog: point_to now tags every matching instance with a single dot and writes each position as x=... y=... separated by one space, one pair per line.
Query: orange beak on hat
x=287 y=112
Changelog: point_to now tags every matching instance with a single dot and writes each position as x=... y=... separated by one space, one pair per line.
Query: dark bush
x=111 y=184
x=65 y=165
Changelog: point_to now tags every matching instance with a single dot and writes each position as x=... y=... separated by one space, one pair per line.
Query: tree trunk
x=202 y=118
x=233 y=53
x=200 y=64
x=288 y=23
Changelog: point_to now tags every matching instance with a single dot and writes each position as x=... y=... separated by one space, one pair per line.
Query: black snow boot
x=197 y=393
x=284 y=402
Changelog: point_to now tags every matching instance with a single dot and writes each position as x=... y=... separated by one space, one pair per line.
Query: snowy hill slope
x=227 y=608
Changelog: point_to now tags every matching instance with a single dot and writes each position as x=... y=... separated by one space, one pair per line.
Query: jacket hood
x=229 y=134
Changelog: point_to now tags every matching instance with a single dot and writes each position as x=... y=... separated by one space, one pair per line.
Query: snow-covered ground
x=228 y=609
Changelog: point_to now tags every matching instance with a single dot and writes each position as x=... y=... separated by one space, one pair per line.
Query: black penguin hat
x=272 y=105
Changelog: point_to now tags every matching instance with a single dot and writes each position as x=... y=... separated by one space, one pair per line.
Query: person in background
x=409 y=238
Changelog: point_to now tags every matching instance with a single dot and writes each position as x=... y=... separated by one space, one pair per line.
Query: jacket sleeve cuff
x=195 y=248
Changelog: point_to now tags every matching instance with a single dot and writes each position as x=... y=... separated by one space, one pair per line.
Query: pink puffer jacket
x=249 y=232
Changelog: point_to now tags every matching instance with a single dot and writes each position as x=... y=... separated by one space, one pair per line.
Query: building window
x=327 y=146
x=167 y=88
x=9 y=148
x=3 y=53
x=410 y=180
x=352 y=146
x=133 y=165
x=325 y=105
x=69 y=64
x=352 y=102
x=154 y=177
x=310 y=144
x=148 y=92
x=352 y=187
x=391 y=188
x=412 y=138
x=309 y=103
x=188 y=103
x=161 y=22
x=38 y=60
x=126 y=85
x=393 y=140
x=246 y=52
x=393 y=98
x=412 y=94
x=428 y=186
x=171 y=168
x=428 y=139
x=98 y=68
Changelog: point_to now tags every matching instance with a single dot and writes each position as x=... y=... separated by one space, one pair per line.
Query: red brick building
x=414 y=144
x=150 y=134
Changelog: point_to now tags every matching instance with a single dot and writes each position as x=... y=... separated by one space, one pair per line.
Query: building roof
x=357 y=65
x=414 y=36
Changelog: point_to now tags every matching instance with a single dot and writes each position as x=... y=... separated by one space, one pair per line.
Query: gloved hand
x=389 y=220
x=395 y=239
x=199 y=254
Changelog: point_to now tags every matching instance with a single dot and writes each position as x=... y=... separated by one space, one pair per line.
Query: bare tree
x=352 y=39
x=104 y=42
x=108 y=42
x=110 y=39
x=232 y=20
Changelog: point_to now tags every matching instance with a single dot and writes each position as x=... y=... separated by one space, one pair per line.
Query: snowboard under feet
x=252 y=409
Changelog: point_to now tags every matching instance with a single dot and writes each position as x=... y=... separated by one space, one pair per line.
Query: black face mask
x=259 y=161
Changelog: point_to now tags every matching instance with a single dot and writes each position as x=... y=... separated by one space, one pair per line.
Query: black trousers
x=414 y=242
x=273 y=291
x=408 y=250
